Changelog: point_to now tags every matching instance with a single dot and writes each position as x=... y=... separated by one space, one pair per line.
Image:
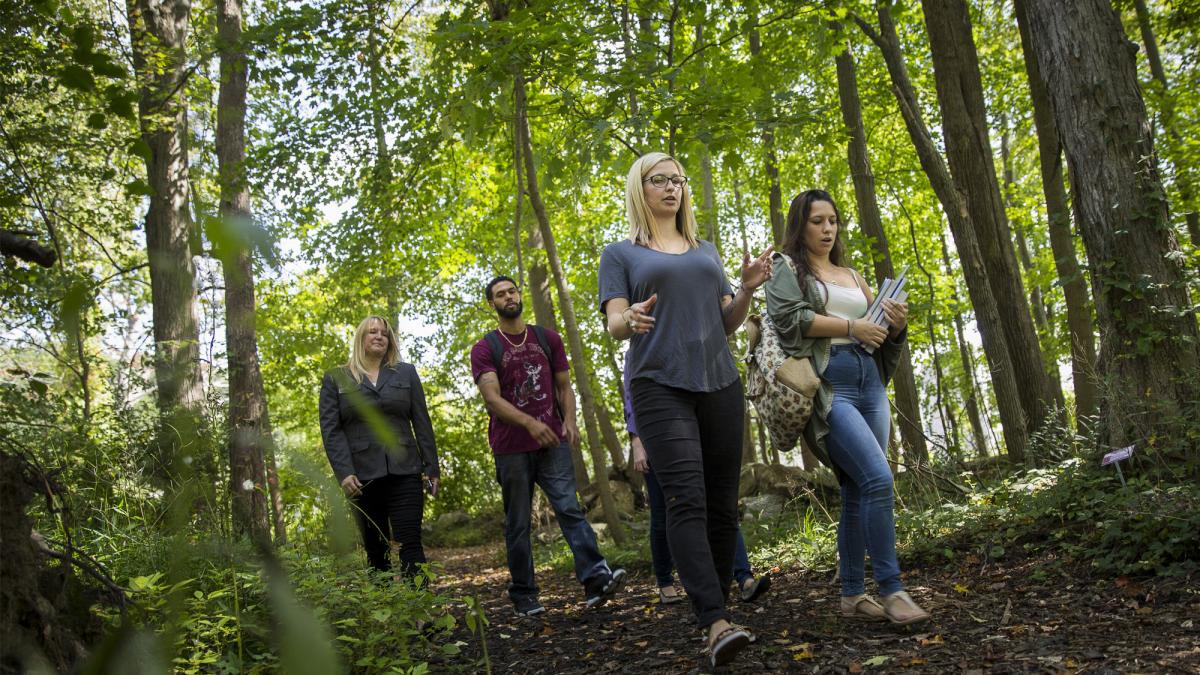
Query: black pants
x=390 y=508
x=694 y=442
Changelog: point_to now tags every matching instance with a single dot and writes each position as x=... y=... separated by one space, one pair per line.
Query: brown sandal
x=862 y=607
x=726 y=645
x=902 y=610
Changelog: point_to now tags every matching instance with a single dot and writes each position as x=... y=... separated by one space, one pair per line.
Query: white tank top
x=845 y=303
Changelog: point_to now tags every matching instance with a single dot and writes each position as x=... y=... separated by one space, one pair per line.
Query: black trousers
x=391 y=508
x=694 y=442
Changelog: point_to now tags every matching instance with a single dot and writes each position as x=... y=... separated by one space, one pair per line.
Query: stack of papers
x=892 y=289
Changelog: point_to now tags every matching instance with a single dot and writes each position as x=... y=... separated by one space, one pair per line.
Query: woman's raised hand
x=756 y=272
x=637 y=315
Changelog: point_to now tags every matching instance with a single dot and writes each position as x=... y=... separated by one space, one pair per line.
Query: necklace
x=524 y=337
x=657 y=245
x=822 y=274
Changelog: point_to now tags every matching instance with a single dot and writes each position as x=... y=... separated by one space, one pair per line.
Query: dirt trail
x=994 y=618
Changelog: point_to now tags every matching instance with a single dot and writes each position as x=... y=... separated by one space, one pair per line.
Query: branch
x=14 y=245
x=867 y=29
x=90 y=568
x=733 y=36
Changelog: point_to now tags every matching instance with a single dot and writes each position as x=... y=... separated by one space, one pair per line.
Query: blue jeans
x=660 y=550
x=550 y=469
x=858 y=431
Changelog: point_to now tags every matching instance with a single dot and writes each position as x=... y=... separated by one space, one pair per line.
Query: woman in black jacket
x=380 y=443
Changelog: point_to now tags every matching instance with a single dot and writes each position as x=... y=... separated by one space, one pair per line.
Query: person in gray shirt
x=666 y=290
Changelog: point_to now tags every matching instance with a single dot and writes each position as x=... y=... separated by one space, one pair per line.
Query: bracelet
x=849 y=329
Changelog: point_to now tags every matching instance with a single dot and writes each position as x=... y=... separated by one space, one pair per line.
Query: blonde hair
x=641 y=219
x=358 y=363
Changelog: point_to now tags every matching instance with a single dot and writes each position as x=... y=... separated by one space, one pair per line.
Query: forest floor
x=1029 y=616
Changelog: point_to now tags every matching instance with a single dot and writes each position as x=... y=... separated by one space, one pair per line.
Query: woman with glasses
x=380 y=443
x=666 y=290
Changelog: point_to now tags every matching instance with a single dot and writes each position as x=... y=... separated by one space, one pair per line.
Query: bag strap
x=540 y=334
x=493 y=341
x=796 y=273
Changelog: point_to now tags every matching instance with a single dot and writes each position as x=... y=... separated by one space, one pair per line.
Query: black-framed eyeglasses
x=658 y=180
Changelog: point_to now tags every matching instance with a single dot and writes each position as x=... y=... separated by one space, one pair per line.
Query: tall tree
x=249 y=423
x=1062 y=245
x=907 y=402
x=158 y=36
x=969 y=155
x=1184 y=179
x=578 y=355
x=1008 y=394
x=766 y=120
x=971 y=400
x=1149 y=342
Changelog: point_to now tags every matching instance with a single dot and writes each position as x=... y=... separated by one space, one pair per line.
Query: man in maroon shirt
x=522 y=372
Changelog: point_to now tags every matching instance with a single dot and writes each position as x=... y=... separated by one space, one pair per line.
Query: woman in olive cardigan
x=817 y=305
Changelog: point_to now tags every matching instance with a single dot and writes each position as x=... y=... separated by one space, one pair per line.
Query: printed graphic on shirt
x=530 y=388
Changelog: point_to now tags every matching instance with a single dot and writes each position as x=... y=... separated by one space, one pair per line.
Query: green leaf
x=97 y=120
x=77 y=77
x=140 y=148
x=138 y=187
x=84 y=37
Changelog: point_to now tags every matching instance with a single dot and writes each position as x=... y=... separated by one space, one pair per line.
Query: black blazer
x=401 y=439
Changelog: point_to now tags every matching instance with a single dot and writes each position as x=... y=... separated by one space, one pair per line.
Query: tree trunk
x=608 y=432
x=1185 y=171
x=518 y=204
x=579 y=359
x=708 y=205
x=158 y=34
x=1070 y=277
x=770 y=155
x=1036 y=302
x=971 y=395
x=539 y=282
x=966 y=240
x=1149 y=342
x=907 y=402
x=969 y=154
x=947 y=419
x=249 y=424
x=1041 y=316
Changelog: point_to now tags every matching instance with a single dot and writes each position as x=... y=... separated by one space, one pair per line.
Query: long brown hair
x=797 y=219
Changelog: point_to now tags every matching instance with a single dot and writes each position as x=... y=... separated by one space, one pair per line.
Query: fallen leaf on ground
x=935 y=640
x=876 y=660
x=959 y=588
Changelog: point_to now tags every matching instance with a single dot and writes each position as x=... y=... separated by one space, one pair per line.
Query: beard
x=513 y=313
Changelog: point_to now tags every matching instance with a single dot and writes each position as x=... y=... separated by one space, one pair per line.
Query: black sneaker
x=605 y=588
x=528 y=607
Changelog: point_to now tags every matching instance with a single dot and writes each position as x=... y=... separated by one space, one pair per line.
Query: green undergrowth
x=324 y=614
x=1079 y=513
x=1071 y=510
